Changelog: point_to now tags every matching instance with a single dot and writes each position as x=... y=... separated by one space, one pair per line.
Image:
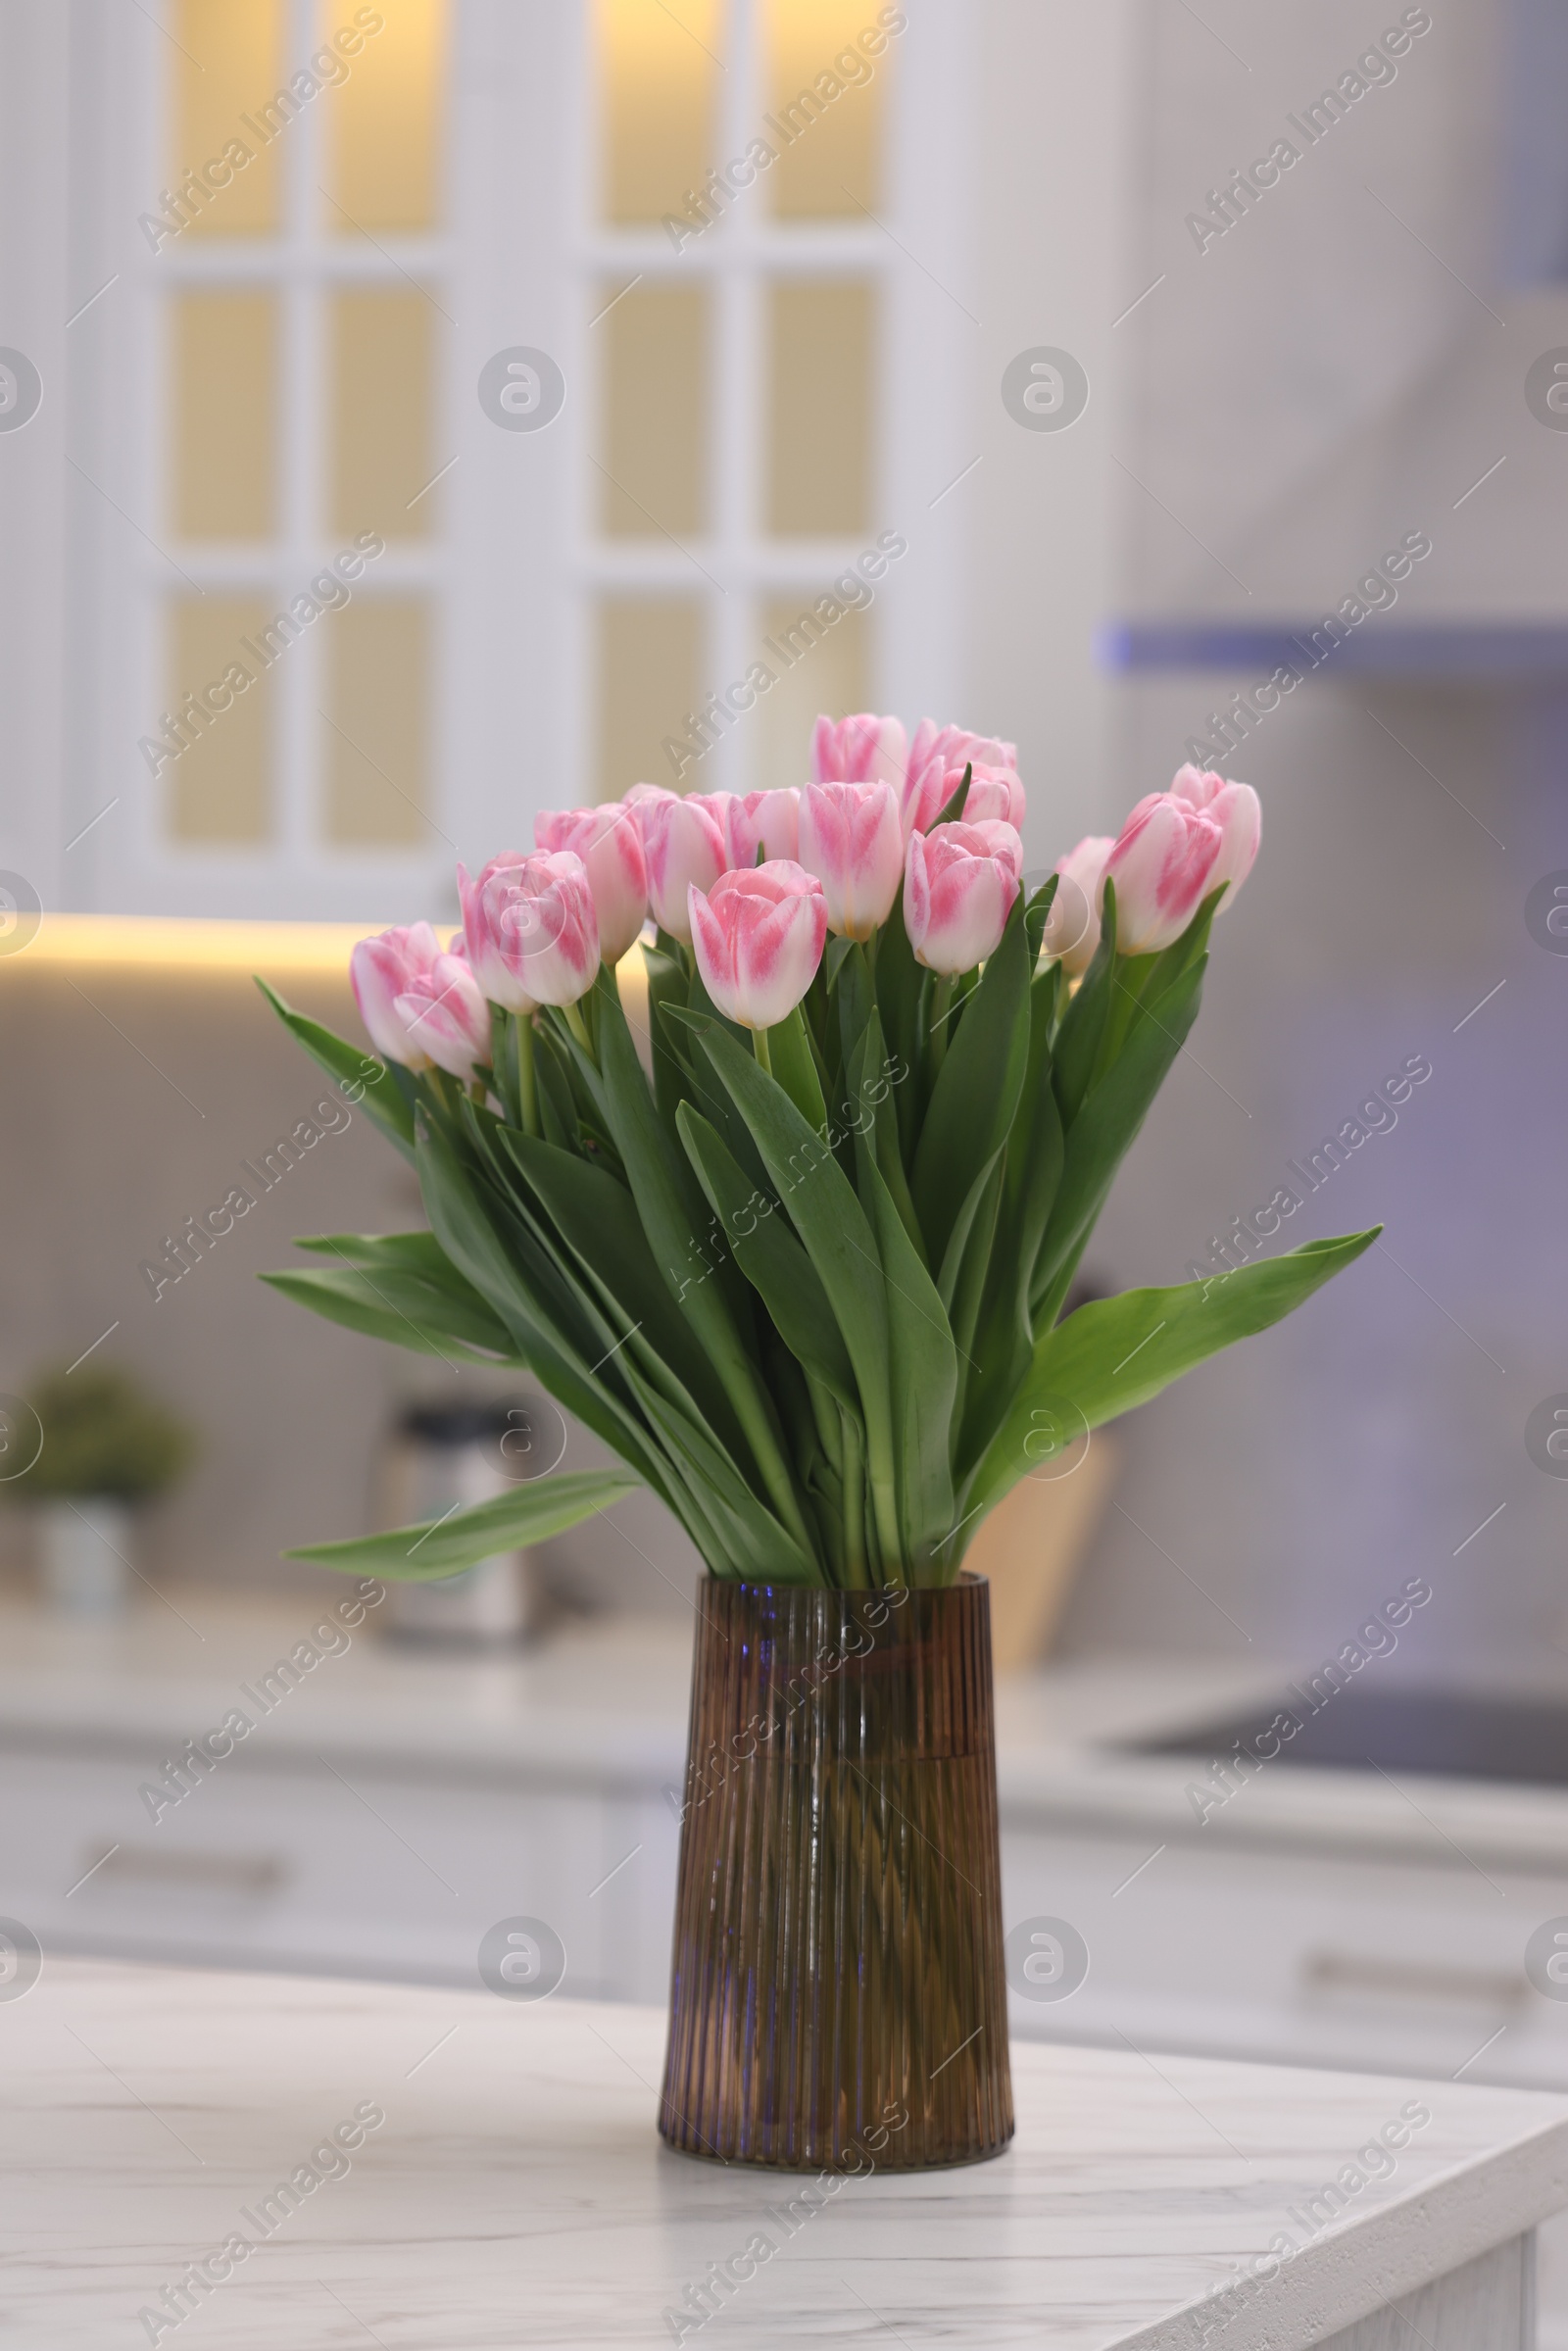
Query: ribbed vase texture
x=837 y=1998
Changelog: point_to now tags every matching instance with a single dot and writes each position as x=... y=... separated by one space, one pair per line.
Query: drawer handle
x=226 y=1873
x=1351 y=1970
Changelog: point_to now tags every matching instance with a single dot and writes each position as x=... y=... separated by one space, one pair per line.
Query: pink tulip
x=1072 y=927
x=863 y=750
x=957 y=894
x=1236 y=810
x=684 y=842
x=381 y=971
x=1001 y=839
x=610 y=842
x=445 y=1016
x=639 y=800
x=531 y=929
x=851 y=840
x=758 y=936
x=935 y=751
x=770 y=820
x=1162 y=866
x=994 y=792
x=496 y=981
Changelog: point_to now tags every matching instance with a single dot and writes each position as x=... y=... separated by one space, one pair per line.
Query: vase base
x=805 y=2165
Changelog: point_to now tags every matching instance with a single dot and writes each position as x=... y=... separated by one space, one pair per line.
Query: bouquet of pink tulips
x=801 y=1261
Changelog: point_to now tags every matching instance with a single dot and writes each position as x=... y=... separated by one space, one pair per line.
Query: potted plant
x=803 y=1274
x=107 y=1446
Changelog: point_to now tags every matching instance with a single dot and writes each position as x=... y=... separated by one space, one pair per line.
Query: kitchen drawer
x=336 y=1864
x=1299 y=1957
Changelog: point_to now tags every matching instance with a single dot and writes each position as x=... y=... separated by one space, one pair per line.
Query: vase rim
x=843 y=1592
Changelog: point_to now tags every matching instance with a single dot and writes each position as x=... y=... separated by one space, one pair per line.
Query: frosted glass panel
x=657 y=66
x=649 y=660
x=376 y=752
x=820 y=408
x=383 y=360
x=219 y=790
x=228 y=67
x=224 y=366
x=827 y=63
x=656 y=433
x=821 y=664
x=384 y=119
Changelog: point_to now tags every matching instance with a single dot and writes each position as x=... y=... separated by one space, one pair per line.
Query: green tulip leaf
x=1116 y=1352
x=387 y=1092
x=532 y=1512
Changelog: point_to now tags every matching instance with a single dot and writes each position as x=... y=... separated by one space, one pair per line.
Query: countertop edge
x=1469 y=2210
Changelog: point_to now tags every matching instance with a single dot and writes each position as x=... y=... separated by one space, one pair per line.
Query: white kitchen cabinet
x=377 y=1823
x=1295 y=1956
x=339 y=1866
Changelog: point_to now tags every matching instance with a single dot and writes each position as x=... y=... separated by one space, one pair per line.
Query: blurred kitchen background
x=586 y=430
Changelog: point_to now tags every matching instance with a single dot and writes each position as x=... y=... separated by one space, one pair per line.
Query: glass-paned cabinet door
x=736 y=354
x=350 y=630
x=298 y=319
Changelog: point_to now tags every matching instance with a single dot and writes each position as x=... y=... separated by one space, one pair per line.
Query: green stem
x=1130 y=976
x=528 y=1082
x=856 y=1575
x=941 y=1004
x=580 y=1029
x=760 y=1046
x=751 y=1409
x=884 y=1501
x=500 y=1060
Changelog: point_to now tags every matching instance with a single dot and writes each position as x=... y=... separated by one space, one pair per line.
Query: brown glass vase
x=837 y=1998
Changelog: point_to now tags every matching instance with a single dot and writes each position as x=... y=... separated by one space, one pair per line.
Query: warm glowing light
x=173 y=942
x=195 y=943
x=658 y=69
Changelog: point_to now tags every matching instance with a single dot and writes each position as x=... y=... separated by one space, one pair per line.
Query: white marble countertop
x=516 y=2192
x=605 y=1703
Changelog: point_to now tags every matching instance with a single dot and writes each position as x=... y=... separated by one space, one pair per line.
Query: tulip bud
x=770 y=821
x=849 y=839
x=1162 y=867
x=684 y=842
x=381 y=971
x=994 y=792
x=933 y=755
x=1072 y=927
x=531 y=929
x=495 y=977
x=445 y=1016
x=1236 y=810
x=959 y=889
x=758 y=936
x=863 y=750
x=1000 y=840
x=639 y=800
x=610 y=842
